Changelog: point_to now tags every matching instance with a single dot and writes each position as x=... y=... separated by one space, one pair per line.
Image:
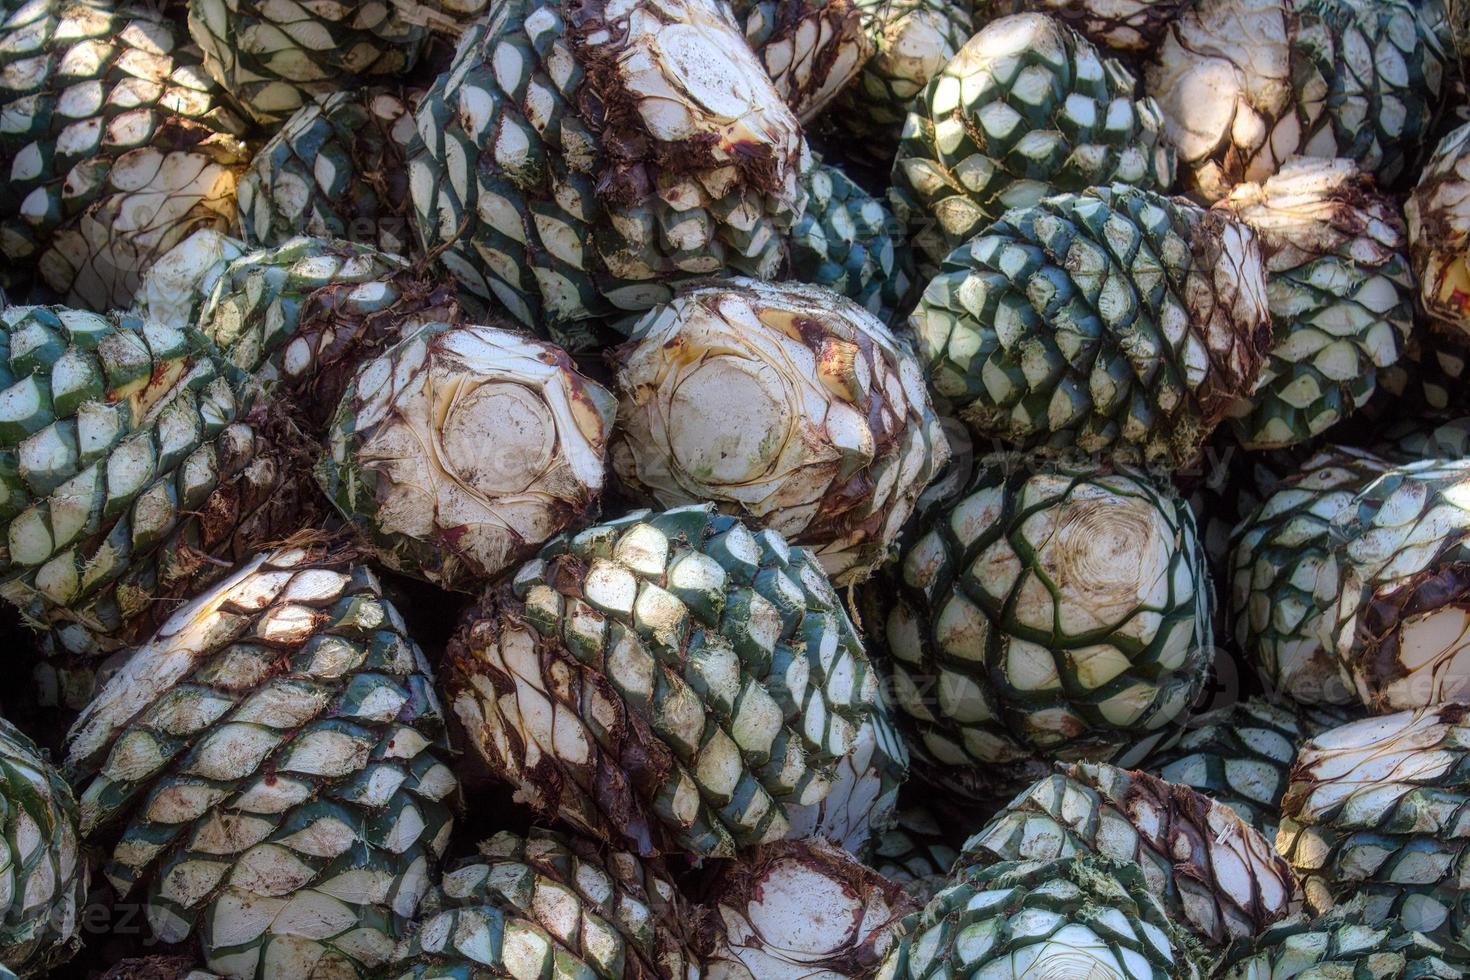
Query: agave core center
x=1106 y=551
x=729 y=420
x=830 y=910
x=497 y=438
x=703 y=69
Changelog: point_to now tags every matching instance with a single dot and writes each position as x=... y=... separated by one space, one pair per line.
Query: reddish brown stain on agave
x=1380 y=626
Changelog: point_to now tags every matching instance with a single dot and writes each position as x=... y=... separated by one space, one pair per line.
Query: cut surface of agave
x=175 y=288
x=802 y=910
x=269 y=769
x=1438 y=213
x=462 y=449
x=670 y=681
x=1245 y=84
x=786 y=405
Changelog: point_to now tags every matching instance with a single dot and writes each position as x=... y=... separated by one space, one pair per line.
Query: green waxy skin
x=1026 y=109
x=1241 y=756
x=851 y=243
x=1378 y=113
x=1427 y=381
x=336 y=169
x=913 y=40
x=1116 y=321
x=1227 y=486
x=1076 y=917
x=1347 y=584
x=274 y=58
x=1014 y=634
x=303 y=317
x=672 y=681
x=1342 y=942
x=255 y=312
x=916 y=852
x=115 y=146
x=43 y=874
x=564 y=218
x=551 y=902
x=269 y=769
x=1440 y=436
x=131 y=463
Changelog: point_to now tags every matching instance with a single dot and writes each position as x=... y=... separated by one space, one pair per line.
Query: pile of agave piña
x=735 y=489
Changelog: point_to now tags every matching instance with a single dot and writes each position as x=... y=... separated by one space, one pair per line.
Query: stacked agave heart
x=115 y=145
x=576 y=159
x=483 y=496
